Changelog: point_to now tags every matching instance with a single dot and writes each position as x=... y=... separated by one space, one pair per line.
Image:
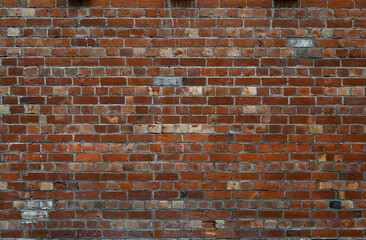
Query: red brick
x=84 y=124
x=341 y=4
x=150 y=3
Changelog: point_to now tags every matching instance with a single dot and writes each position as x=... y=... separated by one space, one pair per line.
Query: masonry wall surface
x=192 y=119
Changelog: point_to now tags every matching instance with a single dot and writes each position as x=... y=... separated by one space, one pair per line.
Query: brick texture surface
x=192 y=119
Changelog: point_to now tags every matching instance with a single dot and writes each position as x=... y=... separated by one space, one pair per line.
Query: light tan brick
x=13 y=32
x=130 y=224
x=166 y=52
x=167 y=128
x=270 y=224
x=182 y=129
x=4 y=109
x=233 y=185
x=14 y=12
x=141 y=128
x=120 y=224
x=195 y=224
x=46 y=186
x=195 y=90
x=344 y=91
x=42 y=119
x=152 y=205
x=4 y=90
x=325 y=185
x=154 y=129
x=87 y=128
x=29 y=12
x=206 y=52
x=19 y=204
x=195 y=128
x=316 y=129
x=208 y=129
x=219 y=223
x=165 y=204
x=191 y=32
x=83 y=12
x=233 y=52
x=248 y=109
x=75 y=167
x=13 y=51
x=139 y=52
x=327 y=33
x=348 y=204
x=4 y=225
x=358 y=91
x=250 y=91
x=178 y=204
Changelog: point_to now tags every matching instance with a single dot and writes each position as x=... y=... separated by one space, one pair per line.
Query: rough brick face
x=195 y=119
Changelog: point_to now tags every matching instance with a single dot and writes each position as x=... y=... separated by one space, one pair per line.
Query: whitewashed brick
x=300 y=43
x=13 y=32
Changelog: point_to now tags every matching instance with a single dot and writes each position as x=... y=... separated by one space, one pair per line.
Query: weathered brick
x=4 y=109
x=208 y=119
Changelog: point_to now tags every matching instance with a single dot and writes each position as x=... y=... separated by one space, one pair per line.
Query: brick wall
x=183 y=119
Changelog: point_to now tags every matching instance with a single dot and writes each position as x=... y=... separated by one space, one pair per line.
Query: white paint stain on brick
x=300 y=42
x=195 y=90
x=34 y=214
x=32 y=205
x=220 y=223
x=154 y=91
x=46 y=205
x=167 y=81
